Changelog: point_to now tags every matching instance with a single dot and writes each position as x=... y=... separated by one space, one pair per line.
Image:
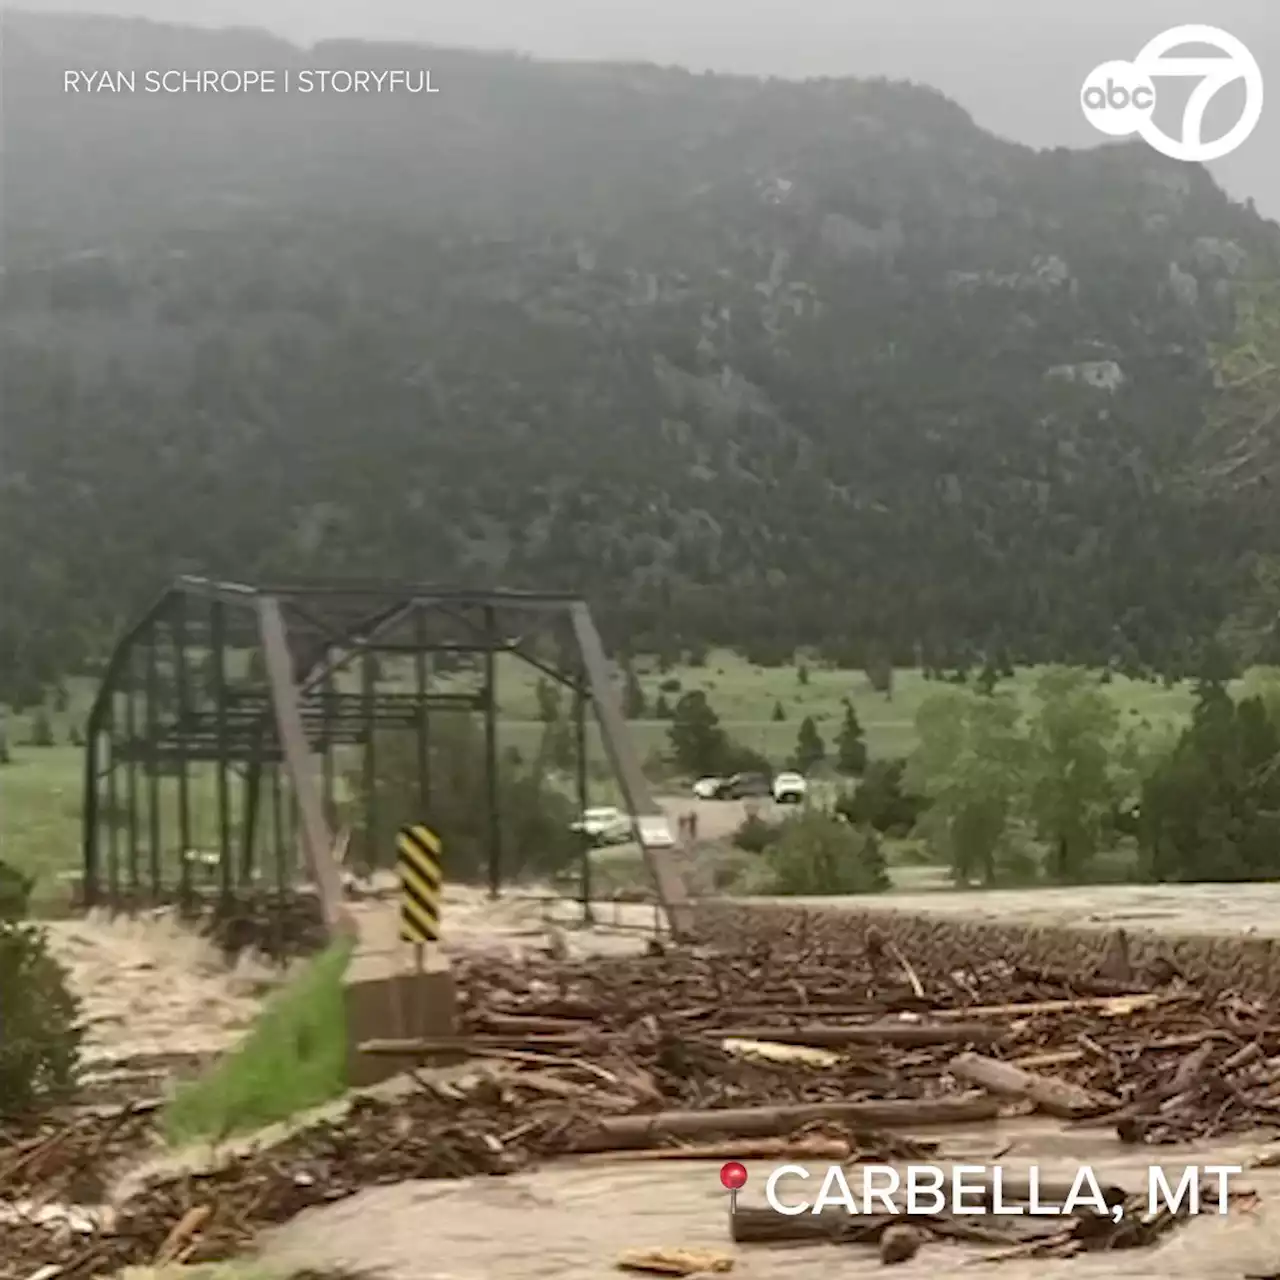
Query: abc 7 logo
x=1119 y=98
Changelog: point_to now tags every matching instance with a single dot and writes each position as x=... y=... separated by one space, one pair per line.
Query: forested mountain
x=749 y=362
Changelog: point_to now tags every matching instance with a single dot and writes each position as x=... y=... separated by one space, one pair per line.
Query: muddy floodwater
x=148 y=986
x=572 y=1220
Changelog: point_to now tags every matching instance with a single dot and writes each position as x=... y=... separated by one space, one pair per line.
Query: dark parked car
x=743 y=785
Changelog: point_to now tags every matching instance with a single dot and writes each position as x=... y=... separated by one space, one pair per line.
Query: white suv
x=790 y=788
x=604 y=826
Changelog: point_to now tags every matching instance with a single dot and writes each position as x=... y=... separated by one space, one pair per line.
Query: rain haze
x=731 y=543
x=1016 y=66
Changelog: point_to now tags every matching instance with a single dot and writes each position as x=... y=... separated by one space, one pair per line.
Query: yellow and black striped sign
x=418 y=850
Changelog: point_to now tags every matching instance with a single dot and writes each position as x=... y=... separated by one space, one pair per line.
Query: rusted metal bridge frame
x=168 y=701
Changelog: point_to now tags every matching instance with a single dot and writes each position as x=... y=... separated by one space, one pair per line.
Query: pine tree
x=802 y=674
x=41 y=730
x=548 y=698
x=810 y=749
x=778 y=713
x=662 y=708
x=698 y=743
x=633 y=701
x=557 y=747
x=851 y=745
x=879 y=672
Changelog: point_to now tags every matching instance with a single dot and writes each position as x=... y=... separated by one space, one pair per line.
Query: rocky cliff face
x=749 y=361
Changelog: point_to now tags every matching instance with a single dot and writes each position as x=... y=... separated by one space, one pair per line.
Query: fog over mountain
x=1016 y=66
x=749 y=362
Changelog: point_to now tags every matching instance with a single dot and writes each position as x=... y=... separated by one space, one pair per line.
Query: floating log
x=749 y=1225
x=903 y=1034
x=765 y=1226
x=473 y=1045
x=1017 y=1190
x=835 y=1150
x=771 y=1051
x=620 y=1133
x=1053 y=1096
x=675 y=1262
x=524 y=1024
x=1108 y=1006
x=1074 y=981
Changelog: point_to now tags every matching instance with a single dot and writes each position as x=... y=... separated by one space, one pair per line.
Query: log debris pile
x=1161 y=1060
x=779 y=1052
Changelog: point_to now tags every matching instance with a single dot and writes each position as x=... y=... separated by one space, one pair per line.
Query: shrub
x=816 y=853
x=881 y=800
x=39 y=1032
x=755 y=835
x=41 y=730
x=1210 y=810
x=15 y=893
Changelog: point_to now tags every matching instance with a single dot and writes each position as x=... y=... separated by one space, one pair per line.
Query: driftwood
x=1027 y=1233
x=1096 y=985
x=620 y=1133
x=1108 y=1006
x=901 y=1244
x=902 y=1034
x=1054 y=1097
x=675 y=1262
x=800 y=1148
x=519 y=1024
x=765 y=1226
x=473 y=1045
x=1047 y=1192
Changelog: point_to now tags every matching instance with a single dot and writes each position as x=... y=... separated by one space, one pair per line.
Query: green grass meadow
x=41 y=791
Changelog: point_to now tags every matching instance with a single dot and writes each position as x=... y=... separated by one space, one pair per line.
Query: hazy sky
x=1017 y=65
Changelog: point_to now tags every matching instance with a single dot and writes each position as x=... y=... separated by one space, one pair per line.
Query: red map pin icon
x=733 y=1177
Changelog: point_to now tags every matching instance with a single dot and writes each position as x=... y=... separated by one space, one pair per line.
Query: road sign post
x=418 y=853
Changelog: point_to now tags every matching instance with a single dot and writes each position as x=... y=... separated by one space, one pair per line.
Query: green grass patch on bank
x=294 y=1058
